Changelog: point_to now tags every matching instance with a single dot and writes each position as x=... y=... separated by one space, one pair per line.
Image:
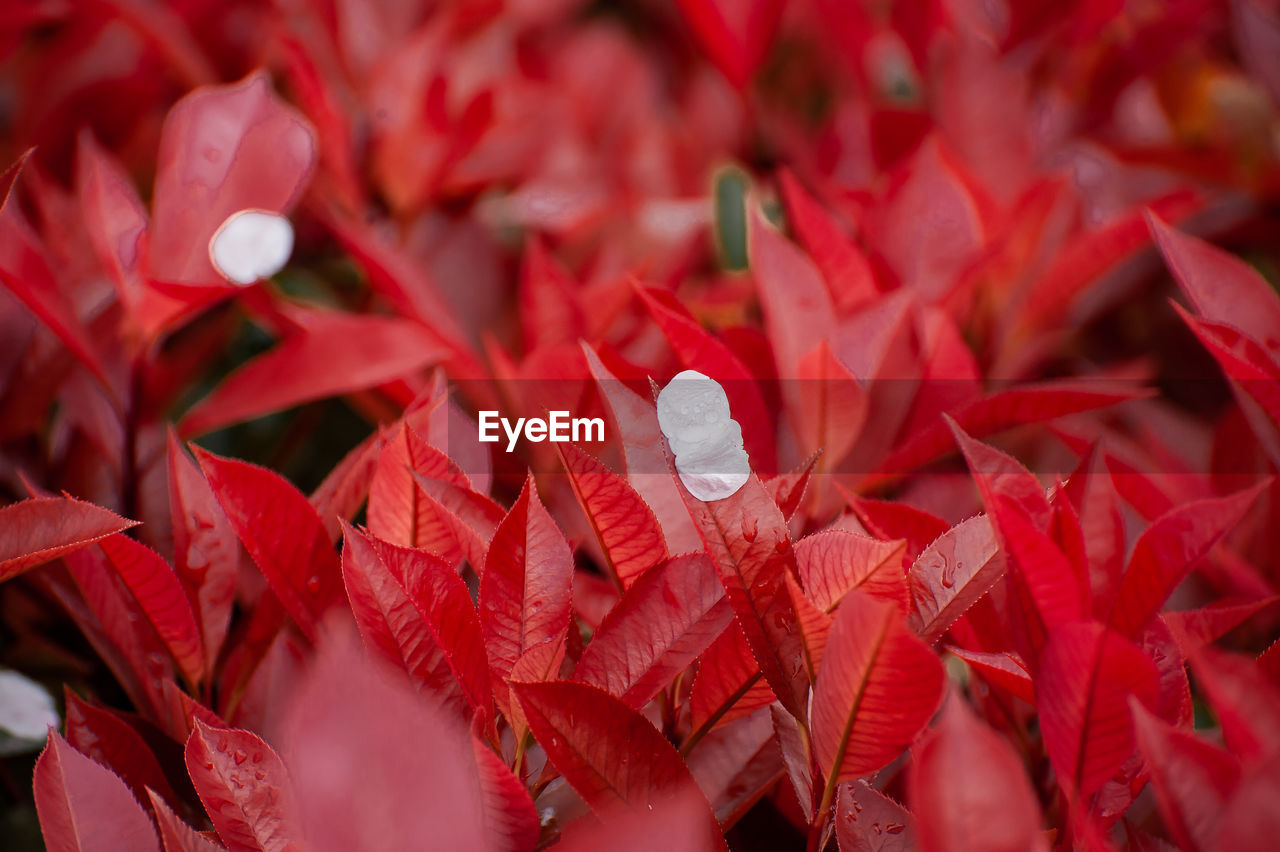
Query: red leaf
x=1247 y=707
x=416 y=611
x=795 y=757
x=85 y=806
x=788 y=489
x=113 y=742
x=1250 y=823
x=610 y=754
x=635 y=423
x=661 y=624
x=1168 y=550
x=834 y=562
x=397 y=513
x=832 y=406
x=470 y=517
x=813 y=625
x=206 y=550
x=846 y=270
x=889 y=520
x=748 y=541
x=1193 y=780
x=878 y=686
x=735 y=35
x=1058 y=592
x=510 y=817
x=969 y=789
x=676 y=825
x=869 y=821
x=698 y=350
x=245 y=789
x=222 y=149
x=175 y=834
x=625 y=525
x=1224 y=289
x=527 y=585
x=737 y=764
x=1195 y=628
x=728 y=685
x=330 y=353
x=282 y=533
x=1000 y=411
x=162 y=600
x=952 y=574
x=114 y=217
x=550 y=312
x=25 y=269
x=797 y=310
x=1004 y=669
x=375 y=767
x=998 y=474
x=43 y=528
x=1086 y=675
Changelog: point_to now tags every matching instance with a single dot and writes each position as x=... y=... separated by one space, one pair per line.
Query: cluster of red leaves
x=433 y=649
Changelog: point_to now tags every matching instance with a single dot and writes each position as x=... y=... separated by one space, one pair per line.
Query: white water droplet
x=250 y=245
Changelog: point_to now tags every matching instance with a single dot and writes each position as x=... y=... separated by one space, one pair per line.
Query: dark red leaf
x=282 y=533
x=1086 y=675
x=795 y=757
x=869 y=821
x=1247 y=707
x=83 y=805
x=878 y=686
x=749 y=543
x=1060 y=594
x=245 y=789
x=509 y=815
x=969 y=789
x=41 y=529
x=161 y=598
x=1168 y=550
x=611 y=755
x=675 y=825
x=735 y=765
x=1195 y=628
x=661 y=624
x=889 y=520
x=998 y=474
x=1250 y=822
x=527 y=586
x=1193 y=780
x=951 y=574
x=625 y=525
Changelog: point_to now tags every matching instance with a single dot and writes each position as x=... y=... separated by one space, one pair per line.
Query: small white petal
x=26 y=709
x=250 y=245
x=693 y=413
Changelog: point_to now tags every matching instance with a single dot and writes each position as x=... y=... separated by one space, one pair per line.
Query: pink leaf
x=85 y=807
x=952 y=574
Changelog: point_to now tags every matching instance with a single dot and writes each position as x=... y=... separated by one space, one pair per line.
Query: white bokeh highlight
x=251 y=245
x=26 y=712
x=693 y=413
